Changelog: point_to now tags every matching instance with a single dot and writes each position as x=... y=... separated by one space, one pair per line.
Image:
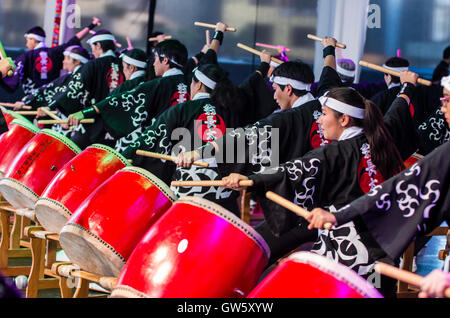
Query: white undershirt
x=201 y=95
x=172 y=72
x=303 y=100
x=351 y=132
x=137 y=74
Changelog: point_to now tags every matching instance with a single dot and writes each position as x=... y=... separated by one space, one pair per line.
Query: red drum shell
x=309 y=275
x=35 y=166
x=106 y=227
x=11 y=115
x=12 y=141
x=196 y=249
x=74 y=183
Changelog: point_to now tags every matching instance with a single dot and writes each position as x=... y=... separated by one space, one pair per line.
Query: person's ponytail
x=384 y=153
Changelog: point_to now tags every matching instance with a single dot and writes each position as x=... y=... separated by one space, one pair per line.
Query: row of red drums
x=117 y=220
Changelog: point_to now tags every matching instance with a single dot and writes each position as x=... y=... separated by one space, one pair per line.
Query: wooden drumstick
x=212 y=183
x=3 y=56
x=167 y=157
x=275 y=47
x=167 y=37
x=390 y=72
x=208 y=39
x=316 y=38
x=29 y=112
x=256 y=52
x=50 y=114
x=212 y=26
x=64 y=121
x=291 y=206
x=402 y=275
x=130 y=46
x=13 y=105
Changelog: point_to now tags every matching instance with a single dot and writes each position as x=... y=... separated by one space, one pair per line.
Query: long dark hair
x=225 y=94
x=384 y=153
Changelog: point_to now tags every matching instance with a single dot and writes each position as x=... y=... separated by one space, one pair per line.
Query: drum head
x=17 y=194
x=51 y=214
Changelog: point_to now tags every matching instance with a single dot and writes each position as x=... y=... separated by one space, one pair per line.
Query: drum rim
x=20 y=184
x=153 y=179
x=95 y=240
x=16 y=115
x=69 y=143
x=338 y=270
x=230 y=217
x=112 y=151
x=26 y=124
x=127 y=292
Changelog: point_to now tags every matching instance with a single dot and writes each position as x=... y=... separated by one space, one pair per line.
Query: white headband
x=205 y=80
x=397 y=69
x=344 y=72
x=170 y=59
x=76 y=56
x=341 y=107
x=35 y=36
x=101 y=37
x=445 y=82
x=294 y=83
x=133 y=61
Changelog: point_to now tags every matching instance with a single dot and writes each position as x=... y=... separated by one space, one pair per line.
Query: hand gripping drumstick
x=65 y=121
x=212 y=183
x=3 y=56
x=390 y=72
x=167 y=37
x=13 y=105
x=167 y=157
x=291 y=206
x=50 y=114
x=212 y=26
x=402 y=275
x=256 y=52
x=316 y=38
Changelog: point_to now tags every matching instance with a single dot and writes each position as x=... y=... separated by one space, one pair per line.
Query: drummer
x=6 y=65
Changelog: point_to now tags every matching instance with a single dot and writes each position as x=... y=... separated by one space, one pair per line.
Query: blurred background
x=420 y=29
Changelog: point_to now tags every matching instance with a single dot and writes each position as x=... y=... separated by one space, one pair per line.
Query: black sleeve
x=3 y=125
x=328 y=79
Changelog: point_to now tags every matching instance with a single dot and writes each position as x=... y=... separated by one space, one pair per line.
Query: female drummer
x=362 y=155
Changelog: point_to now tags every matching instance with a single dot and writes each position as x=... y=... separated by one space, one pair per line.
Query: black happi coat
x=198 y=122
x=433 y=132
x=38 y=67
x=92 y=82
x=327 y=177
x=412 y=203
x=385 y=98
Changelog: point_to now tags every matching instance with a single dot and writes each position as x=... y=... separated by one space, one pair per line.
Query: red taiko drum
x=74 y=183
x=105 y=228
x=309 y=275
x=35 y=166
x=11 y=142
x=11 y=115
x=196 y=249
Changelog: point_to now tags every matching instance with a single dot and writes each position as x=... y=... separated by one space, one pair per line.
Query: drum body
x=35 y=166
x=196 y=249
x=11 y=115
x=106 y=227
x=309 y=275
x=74 y=183
x=11 y=142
